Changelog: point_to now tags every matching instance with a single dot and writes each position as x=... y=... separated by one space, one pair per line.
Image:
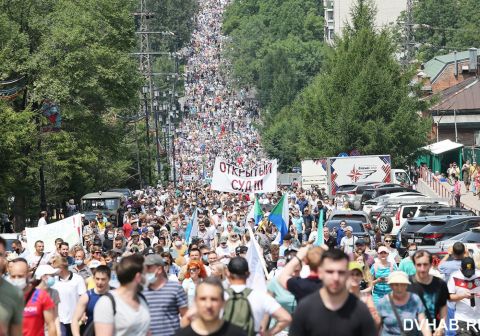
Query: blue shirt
x=448 y=267
x=408 y=313
x=298 y=222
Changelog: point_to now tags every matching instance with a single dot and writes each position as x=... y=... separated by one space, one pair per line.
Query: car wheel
x=385 y=224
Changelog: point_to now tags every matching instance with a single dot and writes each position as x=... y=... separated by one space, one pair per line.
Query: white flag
x=256 y=280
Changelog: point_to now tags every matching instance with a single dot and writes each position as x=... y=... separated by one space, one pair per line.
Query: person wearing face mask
x=131 y=315
x=39 y=307
x=86 y=303
x=407 y=265
x=11 y=303
x=47 y=278
x=70 y=287
x=166 y=299
x=109 y=234
x=80 y=267
x=178 y=251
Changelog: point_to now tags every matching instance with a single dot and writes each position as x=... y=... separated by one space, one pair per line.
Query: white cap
x=219 y=211
x=349 y=228
x=45 y=269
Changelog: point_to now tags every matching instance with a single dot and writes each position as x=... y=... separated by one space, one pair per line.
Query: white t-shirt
x=127 y=321
x=222 y=252
x=33 y=259
x=260 y=302
x=69 y=291
x=42 y=221
x=348 y=244
x=458 y=284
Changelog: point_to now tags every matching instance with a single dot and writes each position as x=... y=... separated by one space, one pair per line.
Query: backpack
x=90 y=330
x=237 y=311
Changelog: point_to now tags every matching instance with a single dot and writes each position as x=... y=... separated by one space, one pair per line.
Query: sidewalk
x=428 y=185
x=467 y=199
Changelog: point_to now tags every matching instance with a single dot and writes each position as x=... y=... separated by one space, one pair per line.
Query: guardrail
x=442 y=189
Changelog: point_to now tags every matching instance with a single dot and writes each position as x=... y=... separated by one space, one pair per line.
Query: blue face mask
x=50 y=282
x=79 y=262
x=205 y=259
x=150 y=277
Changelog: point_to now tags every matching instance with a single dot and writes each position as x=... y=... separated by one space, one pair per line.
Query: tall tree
x=362 y=100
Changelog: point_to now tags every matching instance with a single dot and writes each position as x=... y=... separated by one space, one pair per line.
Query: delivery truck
x=314 y=174
x=333 y=172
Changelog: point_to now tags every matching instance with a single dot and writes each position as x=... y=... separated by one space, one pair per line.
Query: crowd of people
x=146 y=274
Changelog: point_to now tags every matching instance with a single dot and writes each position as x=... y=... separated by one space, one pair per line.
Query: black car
x=357 y=227
x=469 y=237
x=413 y=225
x=443 y=229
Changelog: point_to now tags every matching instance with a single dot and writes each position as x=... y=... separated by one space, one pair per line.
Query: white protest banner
x=228 y=177
x=69 y=229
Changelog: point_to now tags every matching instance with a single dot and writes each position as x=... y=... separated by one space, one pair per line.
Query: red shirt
x=127 y=230
x=33 y=320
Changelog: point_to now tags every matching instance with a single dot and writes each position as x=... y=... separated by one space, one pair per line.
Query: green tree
x=362 y=100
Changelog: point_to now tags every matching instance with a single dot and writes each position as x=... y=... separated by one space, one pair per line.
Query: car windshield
x=100 y=204
x=425 y=212
x=359 y=218
x=356 y=225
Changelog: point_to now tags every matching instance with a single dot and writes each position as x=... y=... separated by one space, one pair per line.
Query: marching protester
x=209 y=302
x=124 y=311
x=83 y=315
x=332 y=310
x=167 y=301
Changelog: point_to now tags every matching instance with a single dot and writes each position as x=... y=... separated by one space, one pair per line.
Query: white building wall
x=337 y=14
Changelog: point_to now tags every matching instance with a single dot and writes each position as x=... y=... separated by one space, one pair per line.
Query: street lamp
x=145 y=91
x=156 y=95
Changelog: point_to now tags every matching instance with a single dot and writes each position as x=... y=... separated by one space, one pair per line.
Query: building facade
x=337 y=14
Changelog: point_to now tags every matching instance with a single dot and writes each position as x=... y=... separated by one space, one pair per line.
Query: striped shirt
x=164 y=305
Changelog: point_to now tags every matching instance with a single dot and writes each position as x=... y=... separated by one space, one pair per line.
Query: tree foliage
x=360 y=101
x=275 y=46
x=78 y=55
x=444 y=25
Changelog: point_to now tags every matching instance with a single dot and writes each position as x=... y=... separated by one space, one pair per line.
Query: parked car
x=380 y=191
x=453 y=211
x=352 y=193
x=443 y=229
x=352 y=215
x=357 y=227
x=394 y=216
x=395 y=197
x=470 y=238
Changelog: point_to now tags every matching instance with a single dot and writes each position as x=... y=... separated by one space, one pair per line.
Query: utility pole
x=409 y=37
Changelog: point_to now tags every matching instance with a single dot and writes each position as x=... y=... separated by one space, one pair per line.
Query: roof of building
x=434 y=67
x=460 y=97
x=442 y=146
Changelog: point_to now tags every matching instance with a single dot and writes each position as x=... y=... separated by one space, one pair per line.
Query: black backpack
x=90 y=330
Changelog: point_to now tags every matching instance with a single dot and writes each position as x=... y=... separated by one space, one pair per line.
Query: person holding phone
x=380 y=271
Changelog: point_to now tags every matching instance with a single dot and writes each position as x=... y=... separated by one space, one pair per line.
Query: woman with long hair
x=195 y=273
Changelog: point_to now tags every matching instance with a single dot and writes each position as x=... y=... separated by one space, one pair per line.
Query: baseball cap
x=354 y=265
x=360 y=242
x=238 y=266
x=135 y=233
x=468 y=267
x=219 y=210
x=223 y=239
x=383 y=249
x=45 y=269
x=154 y=259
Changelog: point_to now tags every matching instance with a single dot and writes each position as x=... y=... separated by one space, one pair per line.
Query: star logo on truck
x=354 y=174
